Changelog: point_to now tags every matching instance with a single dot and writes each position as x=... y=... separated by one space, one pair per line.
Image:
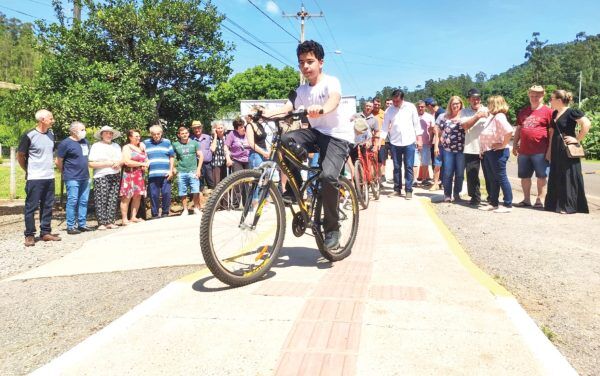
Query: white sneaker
x=503 y=209
x=197 y=211
x=185 y=212
x=488 y=208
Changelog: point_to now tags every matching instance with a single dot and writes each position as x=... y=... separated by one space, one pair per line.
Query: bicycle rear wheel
x=236 y=251
x=348 y=214
x=361 y=184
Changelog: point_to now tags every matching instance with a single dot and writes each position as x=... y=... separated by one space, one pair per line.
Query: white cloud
x=272 y=7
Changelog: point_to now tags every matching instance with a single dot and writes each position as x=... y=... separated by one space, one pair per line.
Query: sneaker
x=197 y=211
x=474 y=202
x=51 y=238
x=332 y=240
x=488 y=207
x=408 y=195
x=457 y=198
x=398 y=193
x=29 y=241
x=85 y=229
x=503 y=209
x=73 y=231
x=448 y=199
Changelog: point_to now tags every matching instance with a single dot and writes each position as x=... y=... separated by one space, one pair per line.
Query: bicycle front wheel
x=361 y=184
x=235 y=249
x=348 y=220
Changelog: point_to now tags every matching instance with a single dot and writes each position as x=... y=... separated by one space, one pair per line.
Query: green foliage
x=591 y=142
x=10 y=133
x=128 y=64
x=18 y=57
x=258 y=82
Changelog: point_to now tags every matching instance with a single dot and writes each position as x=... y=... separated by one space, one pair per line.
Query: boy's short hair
x=180 y=129
x=310 y=46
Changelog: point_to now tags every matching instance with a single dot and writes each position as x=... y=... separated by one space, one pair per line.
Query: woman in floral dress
x=133 y=187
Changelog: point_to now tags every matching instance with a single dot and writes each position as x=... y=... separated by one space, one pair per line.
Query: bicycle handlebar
x=283 y=116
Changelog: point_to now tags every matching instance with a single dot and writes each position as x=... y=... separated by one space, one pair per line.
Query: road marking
x=483 y=278
x=553 y=362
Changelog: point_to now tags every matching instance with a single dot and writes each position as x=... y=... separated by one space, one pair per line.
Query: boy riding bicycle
x=332 y=134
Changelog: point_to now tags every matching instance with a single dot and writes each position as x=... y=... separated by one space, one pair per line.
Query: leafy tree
x=258 y=82
x=18 y=57
x=130 y=63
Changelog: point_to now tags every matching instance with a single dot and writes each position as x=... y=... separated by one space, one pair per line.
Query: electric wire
x=249 y=42
x=272 y=20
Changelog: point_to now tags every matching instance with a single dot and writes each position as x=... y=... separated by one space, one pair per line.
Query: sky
x=372 y=44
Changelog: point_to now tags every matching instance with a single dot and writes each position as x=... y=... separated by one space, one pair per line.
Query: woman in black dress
x=566 y=193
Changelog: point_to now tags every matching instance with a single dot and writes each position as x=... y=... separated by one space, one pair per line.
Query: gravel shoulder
x=549 y=262
x=42 y=318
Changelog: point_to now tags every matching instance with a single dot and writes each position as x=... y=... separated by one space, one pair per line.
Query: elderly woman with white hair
x=106 y=160
x=72 y=160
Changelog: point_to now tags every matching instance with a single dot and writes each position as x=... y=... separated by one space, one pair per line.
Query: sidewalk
x=407 y=301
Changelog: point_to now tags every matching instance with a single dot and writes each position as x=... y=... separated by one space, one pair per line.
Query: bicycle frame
x=365 y=161
x=279 y=157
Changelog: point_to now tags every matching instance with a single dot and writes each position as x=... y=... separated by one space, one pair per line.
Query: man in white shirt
x=333 y=134
x=473 y=121
x=401 y=121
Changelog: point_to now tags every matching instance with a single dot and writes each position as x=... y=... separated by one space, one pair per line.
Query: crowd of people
x=429 y=147
x=463 y=140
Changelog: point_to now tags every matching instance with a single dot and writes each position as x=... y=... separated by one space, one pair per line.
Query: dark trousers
x=332 y=155
x=403 y=154
x=40 y=194
x=207 y=174
x=472 y=166
x=158 y=187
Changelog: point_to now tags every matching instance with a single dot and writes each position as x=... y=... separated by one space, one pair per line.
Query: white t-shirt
x=102 y=152
x=331 y=124
x=472 y=134
x=402 y=123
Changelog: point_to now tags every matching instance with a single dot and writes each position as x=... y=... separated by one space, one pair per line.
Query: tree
x=18 y=58
x=131 y=62
x=258 y=82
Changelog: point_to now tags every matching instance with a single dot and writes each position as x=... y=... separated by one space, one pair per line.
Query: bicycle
x=366 y=175
x=244 y=222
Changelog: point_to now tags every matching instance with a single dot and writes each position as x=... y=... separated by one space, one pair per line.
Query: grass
x=20 y=194
x=548 y=333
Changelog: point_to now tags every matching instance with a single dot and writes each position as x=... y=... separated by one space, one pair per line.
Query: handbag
x=573 y=150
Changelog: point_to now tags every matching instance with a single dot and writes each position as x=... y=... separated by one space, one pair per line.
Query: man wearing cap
x=34 y=155
x=162 y=160
x=530 y=145
x=204 y=140
x=473 y=121
x=402 y=120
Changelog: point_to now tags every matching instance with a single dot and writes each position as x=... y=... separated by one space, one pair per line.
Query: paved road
x=591 y=178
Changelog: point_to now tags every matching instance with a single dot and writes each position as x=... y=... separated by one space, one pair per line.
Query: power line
x=23 y=13
x=255 y=38
x=41 y=3
x=272 y=20
x=249 y=42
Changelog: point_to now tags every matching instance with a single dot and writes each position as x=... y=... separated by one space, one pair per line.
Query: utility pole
x=76 y=10
x=303 y=15
x=580 y=79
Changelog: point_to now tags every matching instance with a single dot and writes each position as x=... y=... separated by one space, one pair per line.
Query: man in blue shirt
x=35 y=157
x=161 y=156
x=72 y=160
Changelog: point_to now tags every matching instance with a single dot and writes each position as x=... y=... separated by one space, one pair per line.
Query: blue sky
x=393 y=43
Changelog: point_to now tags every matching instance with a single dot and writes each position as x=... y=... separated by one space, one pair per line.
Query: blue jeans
x=404 y=154
x=453 y=170
x=187 y=180
x=78 y=192
x=159 y=186
x=495 y=160
x=39 y=194
x=255 y=159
